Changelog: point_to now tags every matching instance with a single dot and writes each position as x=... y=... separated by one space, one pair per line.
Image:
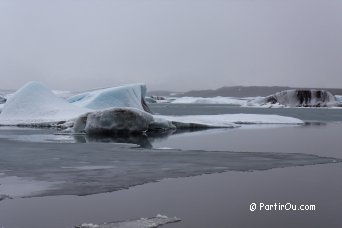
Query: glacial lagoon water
x=254 y=163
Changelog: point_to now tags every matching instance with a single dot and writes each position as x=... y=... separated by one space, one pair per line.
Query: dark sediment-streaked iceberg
x=301 y=98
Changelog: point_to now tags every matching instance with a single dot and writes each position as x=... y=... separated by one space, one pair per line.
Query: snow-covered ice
x=153 y=222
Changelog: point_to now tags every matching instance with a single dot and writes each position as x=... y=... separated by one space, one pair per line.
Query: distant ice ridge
x=287 y=98
x=122 y=96
x=157 y=221
x=211 y=100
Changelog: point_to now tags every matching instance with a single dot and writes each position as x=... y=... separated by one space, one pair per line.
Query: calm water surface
x=215 y=200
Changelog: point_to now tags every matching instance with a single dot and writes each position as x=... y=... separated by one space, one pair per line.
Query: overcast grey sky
x=171 y=44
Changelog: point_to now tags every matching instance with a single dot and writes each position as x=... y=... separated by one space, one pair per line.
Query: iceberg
x=35 y=103
x=153 y=222
x=117 y=97
x=300 y=98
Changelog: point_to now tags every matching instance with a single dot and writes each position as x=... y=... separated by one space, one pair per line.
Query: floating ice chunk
x=158 y=99
x=228 y=120
x=157 y=221
x=35 y=103
x=300 y=98
x=116 y=97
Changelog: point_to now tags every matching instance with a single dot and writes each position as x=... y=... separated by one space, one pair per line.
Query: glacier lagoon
x=259 y=163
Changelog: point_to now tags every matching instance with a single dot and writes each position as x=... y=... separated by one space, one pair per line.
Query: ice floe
x=230 y=120
x=153 y=222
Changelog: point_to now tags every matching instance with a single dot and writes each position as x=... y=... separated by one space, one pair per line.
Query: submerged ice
x=82 y=169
